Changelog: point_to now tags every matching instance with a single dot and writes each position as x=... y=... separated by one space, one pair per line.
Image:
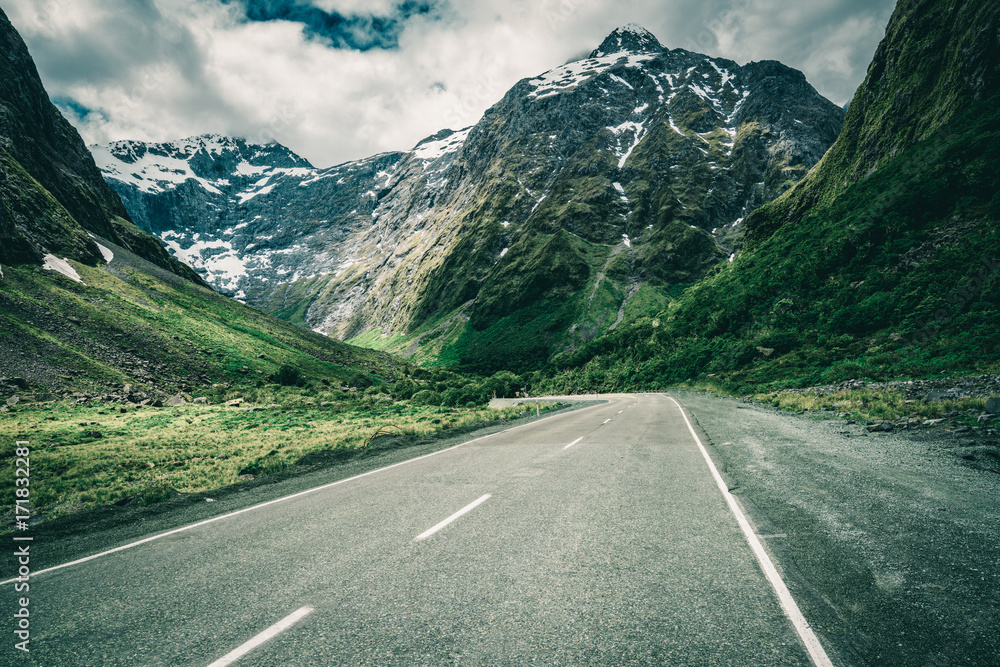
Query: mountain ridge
x=586 y=148
x=55 y=195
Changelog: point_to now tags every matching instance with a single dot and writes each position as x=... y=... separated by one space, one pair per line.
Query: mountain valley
x=588 y=196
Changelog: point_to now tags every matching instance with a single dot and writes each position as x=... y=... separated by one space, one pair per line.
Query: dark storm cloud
x=129 y=34
x=352 y=31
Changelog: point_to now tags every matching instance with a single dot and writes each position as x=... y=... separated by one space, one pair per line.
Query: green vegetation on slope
x=558 y=291
x=133 y=323
x=895 y=276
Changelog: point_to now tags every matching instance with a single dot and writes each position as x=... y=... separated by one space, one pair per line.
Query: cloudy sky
x=337 y=80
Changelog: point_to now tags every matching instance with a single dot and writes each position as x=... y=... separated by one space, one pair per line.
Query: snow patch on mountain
x=572 y=75
x=429 y=151
x=149 y=173
x=105 y=252
x=53 y=263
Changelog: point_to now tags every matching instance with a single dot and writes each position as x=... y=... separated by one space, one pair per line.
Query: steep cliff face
x=884 y=260
x=585 y=197
x=52 y=192
x=937 y=60
x=247 y=217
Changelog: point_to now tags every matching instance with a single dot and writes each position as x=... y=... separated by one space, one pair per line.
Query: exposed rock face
x=619 y=175
x=248 y=217
x=52 y=192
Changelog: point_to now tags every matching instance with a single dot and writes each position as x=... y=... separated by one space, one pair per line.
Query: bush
x=504 y=383
x=451 y=397
x=475 y=394
x=404 y=389
x=288 y=376
x=426 y=397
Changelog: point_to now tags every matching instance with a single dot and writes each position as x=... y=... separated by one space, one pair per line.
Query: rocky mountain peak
x=633 y=170
x=631 y=38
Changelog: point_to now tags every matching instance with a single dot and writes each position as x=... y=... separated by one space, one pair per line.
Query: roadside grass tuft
x=872 y=404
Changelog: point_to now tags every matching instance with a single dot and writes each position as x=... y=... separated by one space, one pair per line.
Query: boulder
x=993 y=405
x=175 y=401
x=884 y=427
x=201 y=400
x=235 y=403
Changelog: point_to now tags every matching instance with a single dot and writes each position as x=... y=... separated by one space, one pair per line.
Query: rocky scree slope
x=883 y=262
x=89 y=303
x=586 y=197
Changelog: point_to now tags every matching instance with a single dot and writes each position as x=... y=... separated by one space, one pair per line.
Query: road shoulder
x=889 y=544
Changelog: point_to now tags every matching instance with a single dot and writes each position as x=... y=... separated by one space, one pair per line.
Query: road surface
x=594 y=537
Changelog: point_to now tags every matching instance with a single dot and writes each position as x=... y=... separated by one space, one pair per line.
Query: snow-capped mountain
x=584 y=197
x=630 y=38
x=251 y=216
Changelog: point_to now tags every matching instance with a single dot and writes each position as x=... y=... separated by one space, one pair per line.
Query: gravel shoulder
x=889 y=541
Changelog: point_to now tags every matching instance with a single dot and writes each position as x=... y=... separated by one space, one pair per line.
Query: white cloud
x=165 y=69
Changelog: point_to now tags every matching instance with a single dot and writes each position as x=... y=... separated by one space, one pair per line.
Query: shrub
x=404 y=389
x=426 y=397
x=288 y=376
x=504 y=383
x=451 y=397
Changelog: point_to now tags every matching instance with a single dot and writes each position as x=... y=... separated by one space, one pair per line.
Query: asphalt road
x=889 y=542
x=595 y=537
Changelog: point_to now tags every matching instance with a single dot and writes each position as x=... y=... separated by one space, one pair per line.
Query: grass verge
x=88 y=456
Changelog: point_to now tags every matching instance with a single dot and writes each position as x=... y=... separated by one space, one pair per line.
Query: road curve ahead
x=595 y=537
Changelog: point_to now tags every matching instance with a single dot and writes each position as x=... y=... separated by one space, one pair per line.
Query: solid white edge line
x=573 y=443
x=785 y=599
x=465 y=510
x=272 y=631
x=284 y=498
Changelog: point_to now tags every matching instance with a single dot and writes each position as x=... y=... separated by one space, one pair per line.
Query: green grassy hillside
x=133 y=323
